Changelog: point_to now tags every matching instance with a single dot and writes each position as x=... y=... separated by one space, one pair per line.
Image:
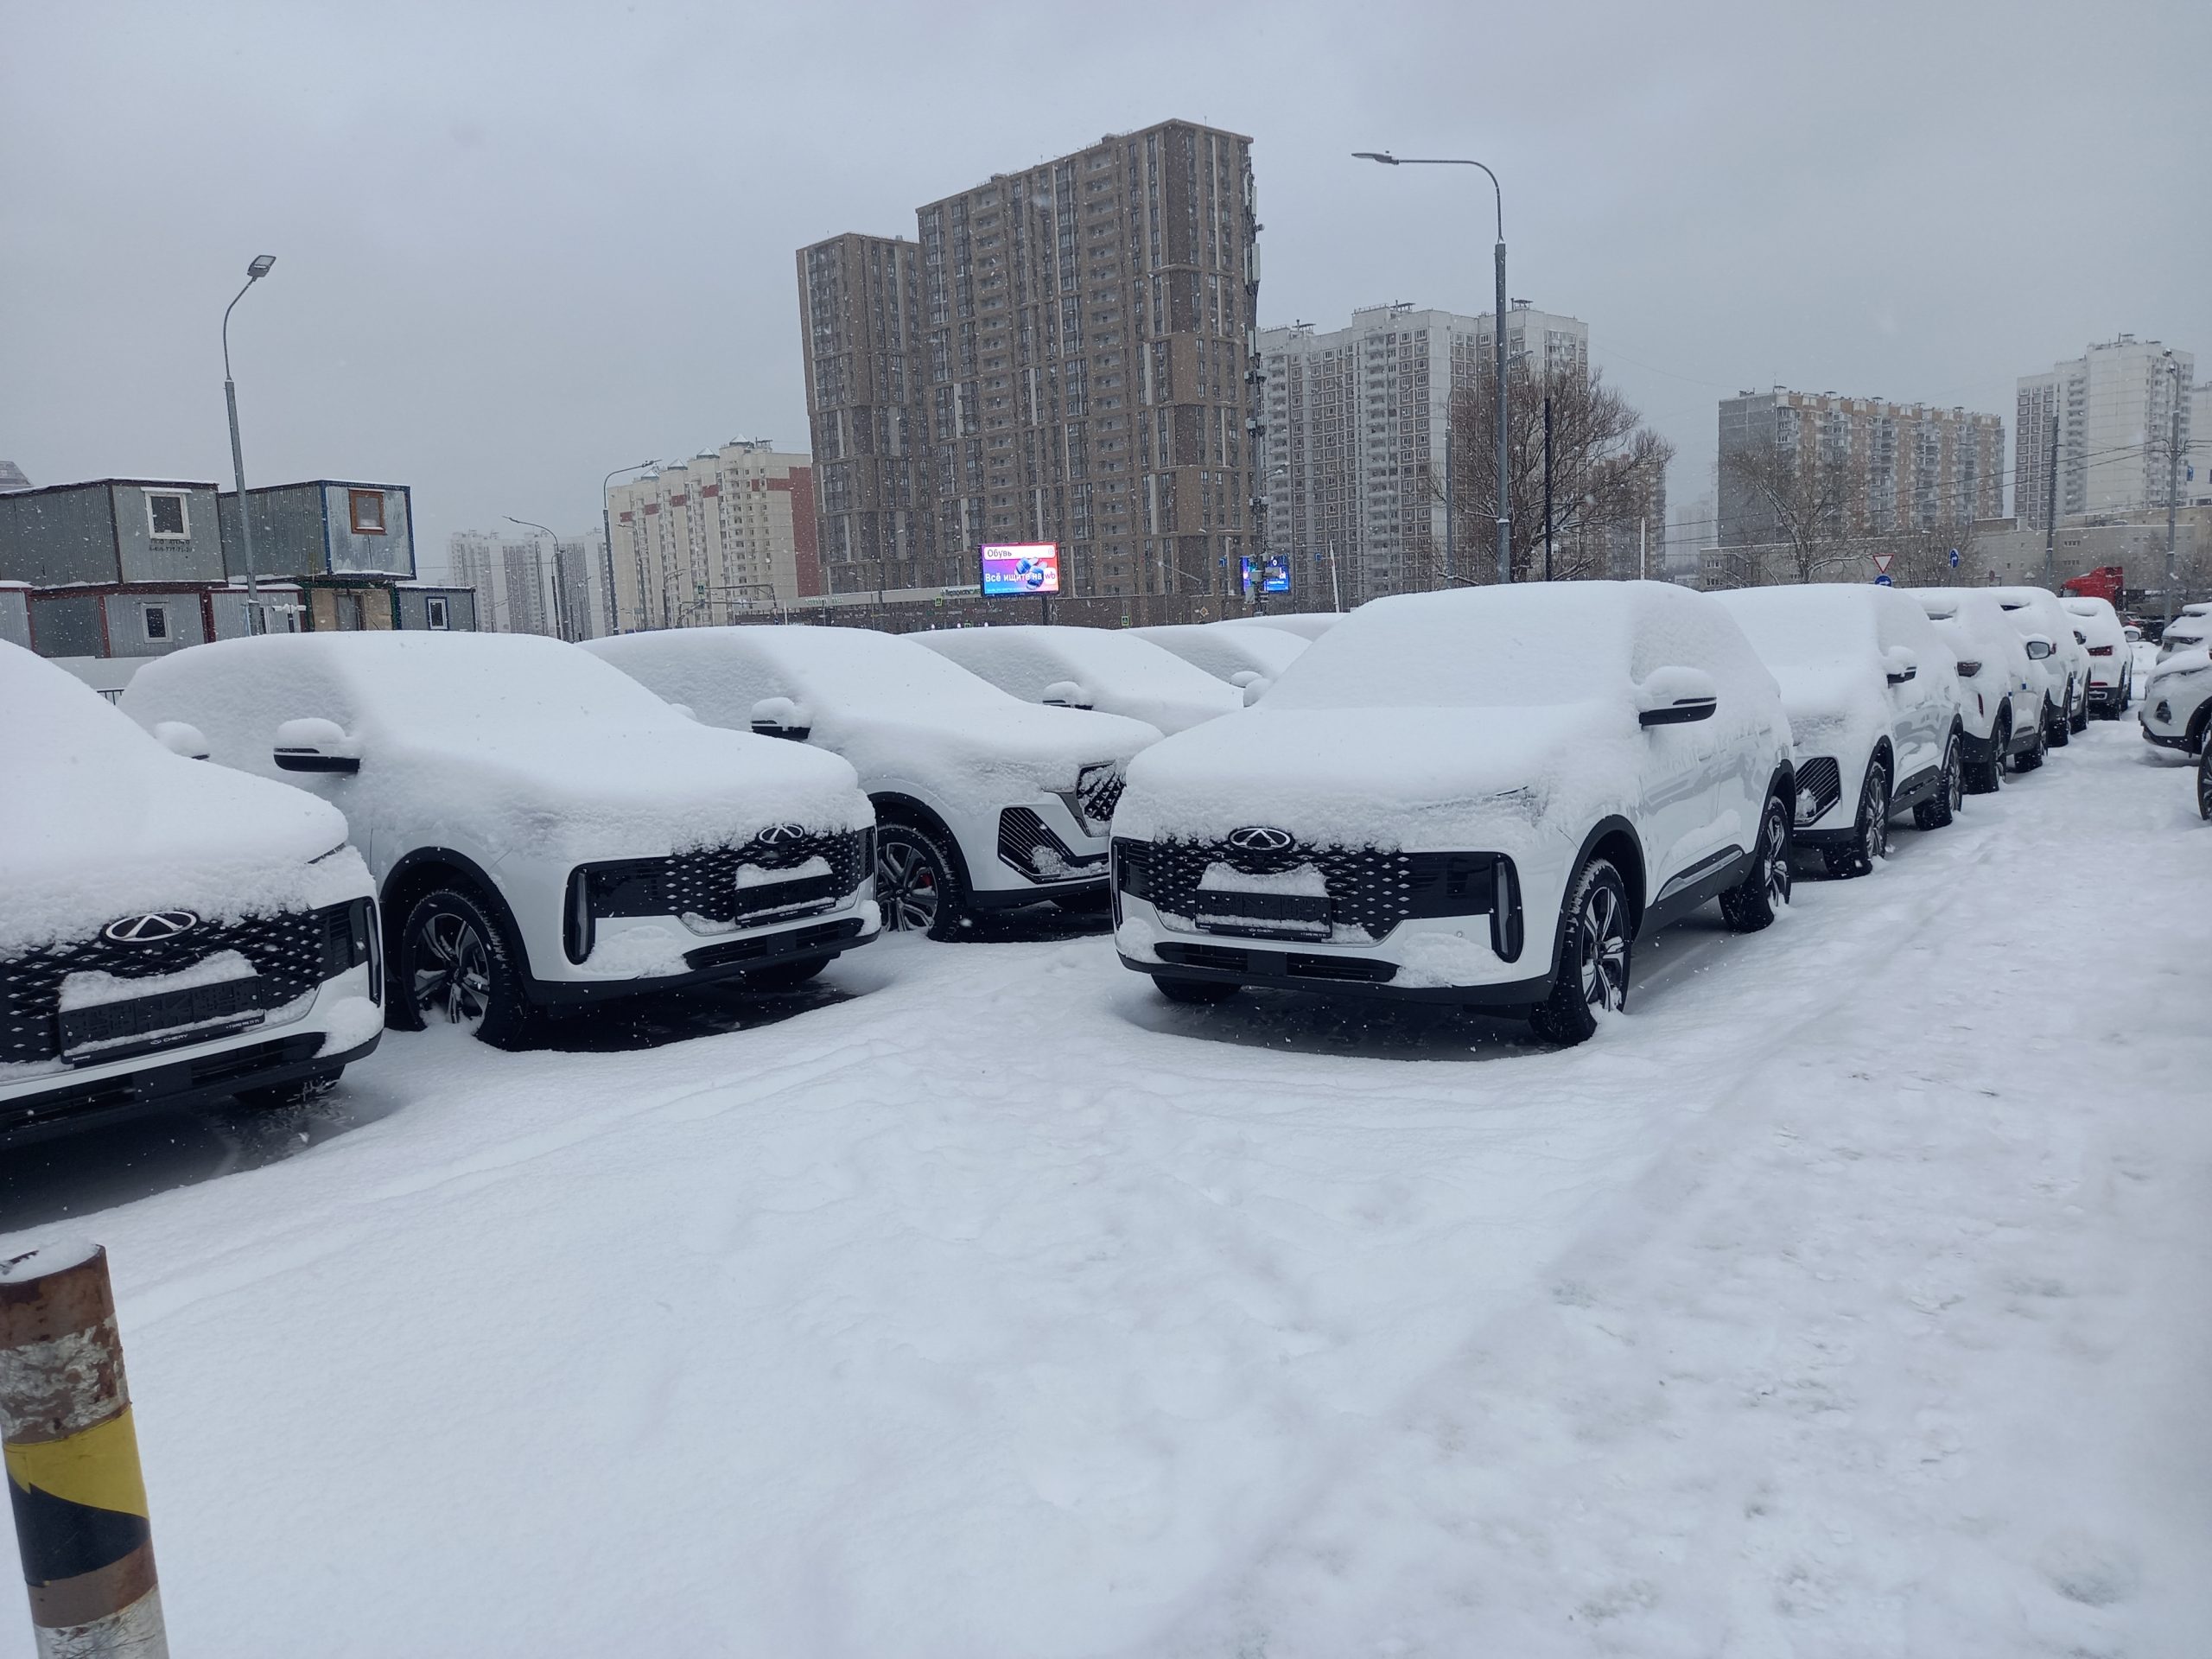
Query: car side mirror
x=316 y=745
x=2038 y=647
x=181 y=737
x=780 y=717
x=1064 y=693
x=1255 y=688
x=685 y=709
x=1902 y=665
x=1676 y=697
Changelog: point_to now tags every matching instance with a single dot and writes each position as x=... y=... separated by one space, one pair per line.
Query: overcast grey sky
x=518 y=245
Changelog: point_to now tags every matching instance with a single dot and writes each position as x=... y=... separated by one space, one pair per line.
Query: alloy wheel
x=452 y=970
x=1774 y=854
x=1873 y=810
x=1605 y=950
x=906 y=887
x=1955 y=776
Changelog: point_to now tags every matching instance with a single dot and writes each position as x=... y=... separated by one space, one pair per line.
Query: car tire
x=1870 y=829
x=1195 y=992
x=2029 y=760
x=2080 y=721
x=1755 y=902
x=785 y=975
x=1987 y=777
x=276 y=1097
x=1950 y=791
x=2057 y=727
x=457 y=964
x=2205 y=785
x=1594 y=958
x=917 y=882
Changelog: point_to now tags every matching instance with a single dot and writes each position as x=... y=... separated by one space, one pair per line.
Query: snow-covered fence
x=71 y=1456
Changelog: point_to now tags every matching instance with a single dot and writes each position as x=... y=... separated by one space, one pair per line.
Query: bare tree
x=1608 y=471
x=1816 y=508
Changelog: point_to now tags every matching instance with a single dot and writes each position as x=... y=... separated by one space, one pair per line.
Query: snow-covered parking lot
x=1846 y=1297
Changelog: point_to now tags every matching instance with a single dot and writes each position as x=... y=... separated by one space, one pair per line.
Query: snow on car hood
x=987 y=757
x=1832 y=703
x=589 y=790
x=98 y=820
x=1424 y=777
x=2180 y=665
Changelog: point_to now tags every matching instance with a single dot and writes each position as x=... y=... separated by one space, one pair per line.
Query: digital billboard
x=1278 y=578
x=1021 y=568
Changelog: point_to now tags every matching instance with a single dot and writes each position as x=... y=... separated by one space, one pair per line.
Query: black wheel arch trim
x=407 y=875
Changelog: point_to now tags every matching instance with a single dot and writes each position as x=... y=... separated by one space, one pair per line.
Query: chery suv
x=982 y=802
x=169 y=931
x=543 y=830
x=1486 y=796
x=1108 y=670
x=1873 y=695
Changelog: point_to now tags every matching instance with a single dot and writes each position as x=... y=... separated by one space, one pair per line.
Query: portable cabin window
x=157 y=622
x=435 y=607
x=365 y=510
x=166 y=515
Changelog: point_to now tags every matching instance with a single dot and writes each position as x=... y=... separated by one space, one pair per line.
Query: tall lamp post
x=1505 y=494
x=560 y=594
x=607 y=535
x=254 y=273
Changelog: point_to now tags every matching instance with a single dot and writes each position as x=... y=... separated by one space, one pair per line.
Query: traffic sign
x=1882 y=561
x=1955 y=558
x=1883 y=580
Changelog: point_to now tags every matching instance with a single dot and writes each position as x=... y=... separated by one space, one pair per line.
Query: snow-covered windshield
x=484 y=683
x=1802 y=625
x=1492 y=648
x=860 y=668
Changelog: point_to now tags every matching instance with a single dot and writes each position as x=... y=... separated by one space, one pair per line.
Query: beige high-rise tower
x=1064 y=353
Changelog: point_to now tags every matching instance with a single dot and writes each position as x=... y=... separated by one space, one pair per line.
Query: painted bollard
x=72 y=1457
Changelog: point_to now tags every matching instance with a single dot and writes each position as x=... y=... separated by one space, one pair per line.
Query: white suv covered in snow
x=543 y=830
x=2036 y=612
x=2176 y=711
x=169 y=931
x=982 y=802
x=1485 y=797
x=2112 y=658
x=2001 y=687
x=1243 y=656
x=1112 y=671
x=1872 y=693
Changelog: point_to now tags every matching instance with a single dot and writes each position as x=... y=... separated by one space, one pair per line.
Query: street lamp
x=560 y=606
x=254 y=272
x=1505 y=495
x=607 y=538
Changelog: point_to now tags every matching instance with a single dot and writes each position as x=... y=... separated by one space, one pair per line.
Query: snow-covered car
x=982 y=802
x=2001 y=687
x=1486 y=797
x=1107 y=670
x=2176 y=702
x=2112 y=662
x=1873 y=695
x=2049 y=639
x=2037 y=612
x=2184 y=632
x=1243 y=657
x=1306 y=625
x=543 y=830
x=169 y=931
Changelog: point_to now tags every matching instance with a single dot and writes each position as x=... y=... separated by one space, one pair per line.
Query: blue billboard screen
x=1012 y=567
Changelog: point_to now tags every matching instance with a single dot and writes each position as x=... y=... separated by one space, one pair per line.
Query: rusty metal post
x=71 y=1456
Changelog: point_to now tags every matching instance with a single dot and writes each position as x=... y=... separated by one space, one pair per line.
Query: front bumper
x=817 y=939
x=2167 y=739
x=341 y=1025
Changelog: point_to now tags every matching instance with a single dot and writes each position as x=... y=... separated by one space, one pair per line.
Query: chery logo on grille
x=149 y=929
x=1261 y=838
x=782 y=834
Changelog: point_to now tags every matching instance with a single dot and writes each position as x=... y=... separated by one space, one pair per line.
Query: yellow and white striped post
x=71 y=1456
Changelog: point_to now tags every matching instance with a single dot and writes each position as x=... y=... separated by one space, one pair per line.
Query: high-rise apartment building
x=1064 y=353
x=2113 y=405
x=731 y=531
x=1355 y=421
x=1866 y=467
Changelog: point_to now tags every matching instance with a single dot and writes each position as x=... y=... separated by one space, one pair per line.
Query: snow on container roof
x=98 y=820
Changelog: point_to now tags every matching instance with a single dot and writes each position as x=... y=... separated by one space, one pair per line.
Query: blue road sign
x=1883 y=580
x=1955 y=558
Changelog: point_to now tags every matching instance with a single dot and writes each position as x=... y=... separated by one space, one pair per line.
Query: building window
x=165 y=516
x=157 y=620
x=364 y=509
x=435 y=613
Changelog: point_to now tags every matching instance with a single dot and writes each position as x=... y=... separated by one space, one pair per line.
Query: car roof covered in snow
x=1525 y=646
x=1222 y=649
x=1116 y=670
x=98 y=819
x=861 y=667
x=1306 y=625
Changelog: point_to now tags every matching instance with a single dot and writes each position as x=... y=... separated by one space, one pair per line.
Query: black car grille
x=1022 y=835
x=704 y=884
x=1820 y=786
x=292 y=952
x=1369 y=888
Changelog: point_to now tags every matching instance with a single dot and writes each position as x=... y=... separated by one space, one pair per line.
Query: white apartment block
x=522 y=589
x=2113 y=405
x=1355 y=428
x=728 y=533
